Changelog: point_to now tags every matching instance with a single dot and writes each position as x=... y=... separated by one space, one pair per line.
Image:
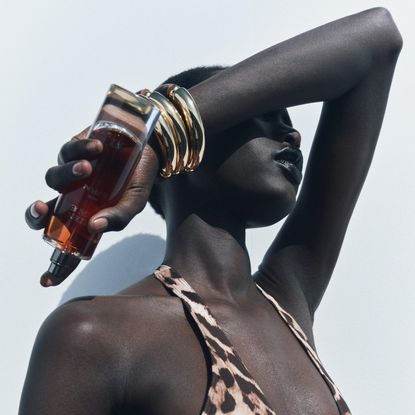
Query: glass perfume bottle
x=123 y=125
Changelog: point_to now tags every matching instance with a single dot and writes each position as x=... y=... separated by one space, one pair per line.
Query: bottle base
x=59 y=246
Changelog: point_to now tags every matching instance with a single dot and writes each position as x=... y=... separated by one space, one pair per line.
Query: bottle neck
x=62 y=264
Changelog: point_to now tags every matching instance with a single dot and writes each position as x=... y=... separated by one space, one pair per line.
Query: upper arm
x=308 y=244
x=70 y=369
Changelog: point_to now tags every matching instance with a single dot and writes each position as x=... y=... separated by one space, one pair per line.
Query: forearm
x=318 y=65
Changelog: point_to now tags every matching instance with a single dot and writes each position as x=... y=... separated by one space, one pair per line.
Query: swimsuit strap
x=233 y=391
x=303 y=339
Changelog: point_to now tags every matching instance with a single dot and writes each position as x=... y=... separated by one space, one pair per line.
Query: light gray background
x=58 y=59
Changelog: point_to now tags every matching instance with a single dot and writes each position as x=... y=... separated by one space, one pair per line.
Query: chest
x=179 y=376
x=279 y=364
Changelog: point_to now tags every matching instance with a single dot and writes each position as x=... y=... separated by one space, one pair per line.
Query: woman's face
x=242 y=170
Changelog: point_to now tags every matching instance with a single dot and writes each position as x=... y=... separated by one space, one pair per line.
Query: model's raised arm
x=321 y=64
x=348 y=64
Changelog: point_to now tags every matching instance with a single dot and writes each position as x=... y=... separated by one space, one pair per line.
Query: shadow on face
x=239 y=176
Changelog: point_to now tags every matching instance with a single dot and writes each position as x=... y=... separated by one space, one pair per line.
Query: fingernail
x=45 y=282
x=100 y=224
x=77 y=169
x=94 y=145
x=33 y=211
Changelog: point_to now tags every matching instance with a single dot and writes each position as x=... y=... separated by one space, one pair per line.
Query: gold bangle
x=184 y=112
x=178 y=127
x=164 y=135
x=179 y=131
x=186 y=106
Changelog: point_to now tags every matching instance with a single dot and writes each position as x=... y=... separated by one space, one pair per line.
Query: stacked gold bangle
x=179 y=130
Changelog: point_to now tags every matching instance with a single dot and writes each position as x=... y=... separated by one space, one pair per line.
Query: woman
x=203 y=334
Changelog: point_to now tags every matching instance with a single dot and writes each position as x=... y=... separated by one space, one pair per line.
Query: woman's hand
x=74 y=165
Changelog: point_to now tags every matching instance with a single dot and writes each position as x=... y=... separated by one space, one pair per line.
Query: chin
x=262 y=218
x=260 y=210
x=258 y=199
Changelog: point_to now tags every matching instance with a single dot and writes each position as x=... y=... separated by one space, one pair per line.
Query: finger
x=49 y=280
x=38 y=213
x=80 y=149
x=61 y=177
x=117 y=217
x=114 y=218
x=82 y=135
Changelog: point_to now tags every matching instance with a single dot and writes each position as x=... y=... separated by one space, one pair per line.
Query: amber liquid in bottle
x=67 y=229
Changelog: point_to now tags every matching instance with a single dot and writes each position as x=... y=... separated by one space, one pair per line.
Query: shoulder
x=97 y=325
x=102 y=321
x=90 y=345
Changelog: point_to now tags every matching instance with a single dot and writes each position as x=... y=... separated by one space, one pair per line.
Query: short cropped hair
x=186 y=79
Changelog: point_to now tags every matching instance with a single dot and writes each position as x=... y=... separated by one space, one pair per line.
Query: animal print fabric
x=233 y=391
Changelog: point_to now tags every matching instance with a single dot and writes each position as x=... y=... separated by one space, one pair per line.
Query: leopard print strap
x=233 y=391
x=302 y=338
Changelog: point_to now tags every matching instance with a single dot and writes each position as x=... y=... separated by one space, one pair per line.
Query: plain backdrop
x=58 y=59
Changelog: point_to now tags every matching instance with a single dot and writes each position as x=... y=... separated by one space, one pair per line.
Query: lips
x=290 y=159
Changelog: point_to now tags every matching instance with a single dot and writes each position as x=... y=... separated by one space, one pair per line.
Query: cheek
x=247 y=168
x=251 y=169
x=254 y=185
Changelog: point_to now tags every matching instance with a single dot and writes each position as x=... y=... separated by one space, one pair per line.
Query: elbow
x=387 y=38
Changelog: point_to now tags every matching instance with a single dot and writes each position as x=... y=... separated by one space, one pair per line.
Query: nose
x=293 y=138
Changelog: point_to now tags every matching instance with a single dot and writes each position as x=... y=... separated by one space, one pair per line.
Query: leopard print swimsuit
x=233 y=391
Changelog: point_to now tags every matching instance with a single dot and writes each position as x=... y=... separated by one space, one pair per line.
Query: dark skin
x=137 y=351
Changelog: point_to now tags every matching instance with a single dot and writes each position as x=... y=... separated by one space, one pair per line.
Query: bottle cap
x=62 y=264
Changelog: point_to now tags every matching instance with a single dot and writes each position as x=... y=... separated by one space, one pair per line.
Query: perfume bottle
x=123 y=125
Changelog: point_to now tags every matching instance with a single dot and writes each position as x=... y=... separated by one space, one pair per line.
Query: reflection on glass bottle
x=123 y=125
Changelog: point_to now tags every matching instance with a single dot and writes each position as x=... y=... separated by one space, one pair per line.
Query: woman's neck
x=210 y=253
